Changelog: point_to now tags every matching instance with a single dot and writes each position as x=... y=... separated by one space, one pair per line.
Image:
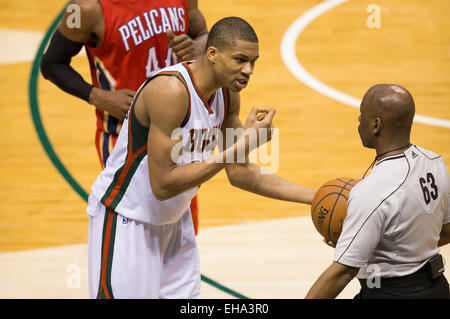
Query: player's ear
x=212 y=53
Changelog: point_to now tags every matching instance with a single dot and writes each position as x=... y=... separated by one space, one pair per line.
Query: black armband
x=55 y=66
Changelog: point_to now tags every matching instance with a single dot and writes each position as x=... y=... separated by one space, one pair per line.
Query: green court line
x=37 y=121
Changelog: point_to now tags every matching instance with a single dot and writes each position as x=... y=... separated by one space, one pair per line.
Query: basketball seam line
x=334 y=193
x=314 y=209
x=345 y=181
x=334 y=206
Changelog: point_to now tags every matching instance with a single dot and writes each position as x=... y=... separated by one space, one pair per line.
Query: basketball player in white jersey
x=141 y=238
x=398 y=216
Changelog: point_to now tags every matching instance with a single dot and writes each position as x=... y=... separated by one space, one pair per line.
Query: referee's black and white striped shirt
x=395 y=215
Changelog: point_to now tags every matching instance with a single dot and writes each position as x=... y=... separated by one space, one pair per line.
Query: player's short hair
x=226 y=31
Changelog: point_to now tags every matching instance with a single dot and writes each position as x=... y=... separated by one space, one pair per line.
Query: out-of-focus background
x=317 y=59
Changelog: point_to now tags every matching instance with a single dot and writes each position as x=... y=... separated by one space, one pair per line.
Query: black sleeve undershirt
x=55 y=66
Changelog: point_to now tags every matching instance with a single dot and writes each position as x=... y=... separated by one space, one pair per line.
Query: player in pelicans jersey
x=141 y=241
x=126 y=41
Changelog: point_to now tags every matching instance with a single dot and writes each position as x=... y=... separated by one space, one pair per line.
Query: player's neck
x=204 y=78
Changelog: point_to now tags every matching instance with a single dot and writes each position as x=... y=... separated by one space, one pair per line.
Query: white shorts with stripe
x=129 y=259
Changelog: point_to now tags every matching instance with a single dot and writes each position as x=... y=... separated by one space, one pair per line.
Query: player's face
x=235 y=64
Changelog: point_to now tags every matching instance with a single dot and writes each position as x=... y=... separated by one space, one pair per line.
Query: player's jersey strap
x=206 y=103
x=137 y=150
x=226 y=99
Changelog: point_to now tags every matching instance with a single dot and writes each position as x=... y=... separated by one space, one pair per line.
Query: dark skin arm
x=166 y=178
x=332 y=281
x=337 y=276
x=249 y=177
x=445 y=235
x=190 y=46
x=90 y=32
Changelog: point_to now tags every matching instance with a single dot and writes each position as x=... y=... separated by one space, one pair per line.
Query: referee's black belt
x=433 y=269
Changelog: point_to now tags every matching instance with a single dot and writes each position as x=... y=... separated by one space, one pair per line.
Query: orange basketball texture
x=329 y=206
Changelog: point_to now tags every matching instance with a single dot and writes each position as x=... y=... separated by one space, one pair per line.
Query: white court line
x=288 y=44
x=21 y=45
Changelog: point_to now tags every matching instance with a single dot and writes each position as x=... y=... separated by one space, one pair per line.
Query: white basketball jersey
x=124 y=184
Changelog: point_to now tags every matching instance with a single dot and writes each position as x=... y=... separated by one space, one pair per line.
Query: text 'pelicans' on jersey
x=156 y=22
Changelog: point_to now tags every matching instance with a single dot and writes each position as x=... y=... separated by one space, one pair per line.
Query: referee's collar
x=394 y=157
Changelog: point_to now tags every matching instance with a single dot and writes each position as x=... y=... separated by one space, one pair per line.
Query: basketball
x=329 y=206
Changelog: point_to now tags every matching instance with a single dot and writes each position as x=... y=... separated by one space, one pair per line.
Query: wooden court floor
x=318 y=135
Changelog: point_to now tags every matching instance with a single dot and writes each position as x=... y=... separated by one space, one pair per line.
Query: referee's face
x=364 y=124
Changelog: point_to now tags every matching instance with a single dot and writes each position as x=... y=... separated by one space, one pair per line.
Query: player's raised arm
x=164 y=103
x=249 y=177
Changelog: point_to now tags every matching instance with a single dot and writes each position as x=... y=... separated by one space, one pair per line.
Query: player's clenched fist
x=259 y=124
x=260 y=118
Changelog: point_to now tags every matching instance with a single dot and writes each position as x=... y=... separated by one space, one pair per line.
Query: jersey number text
x=153 y=63
x=429 y=188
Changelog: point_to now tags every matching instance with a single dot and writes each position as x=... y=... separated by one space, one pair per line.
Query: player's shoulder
x=167 y=85
x=90 y=17
x=87 y=6
x=88 y=9
x=165 y=98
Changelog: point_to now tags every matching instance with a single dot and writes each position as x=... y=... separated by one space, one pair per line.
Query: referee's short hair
x=226 y=31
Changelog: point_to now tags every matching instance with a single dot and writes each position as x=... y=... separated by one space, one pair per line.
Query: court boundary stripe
x=43 y=138
x=290 y=59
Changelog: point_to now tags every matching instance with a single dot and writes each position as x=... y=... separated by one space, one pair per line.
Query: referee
x=398 y=216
